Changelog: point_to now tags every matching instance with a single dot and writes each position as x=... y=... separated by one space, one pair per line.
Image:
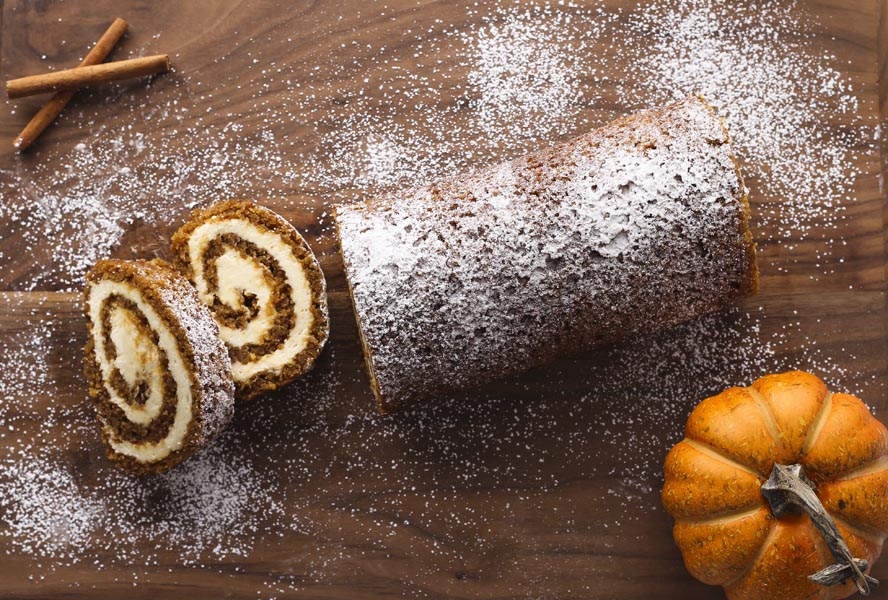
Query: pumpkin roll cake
x=635 y=226
x=158 y=374
x=264 y=287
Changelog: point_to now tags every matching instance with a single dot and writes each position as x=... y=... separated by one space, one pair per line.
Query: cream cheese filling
x=134 y=360
x=138 y=359
x=237 y=275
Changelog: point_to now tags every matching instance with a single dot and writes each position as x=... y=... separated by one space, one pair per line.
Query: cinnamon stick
x=52 y=109
x=73 y=79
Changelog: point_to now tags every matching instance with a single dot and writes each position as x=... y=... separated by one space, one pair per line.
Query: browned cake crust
x=281 y=300
x=750 y=284
x=634 y=226
x=195 y=334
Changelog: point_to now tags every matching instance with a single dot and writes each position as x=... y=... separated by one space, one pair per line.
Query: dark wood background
x=540 y=486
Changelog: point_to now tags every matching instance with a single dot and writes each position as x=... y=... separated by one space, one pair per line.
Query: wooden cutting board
x=543 y=486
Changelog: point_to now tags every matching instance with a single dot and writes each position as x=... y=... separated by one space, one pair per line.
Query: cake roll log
x=632 y=227
x=158 y=374
x=263 y=285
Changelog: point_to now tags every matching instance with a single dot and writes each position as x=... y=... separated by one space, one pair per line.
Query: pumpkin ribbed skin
x=724 y=526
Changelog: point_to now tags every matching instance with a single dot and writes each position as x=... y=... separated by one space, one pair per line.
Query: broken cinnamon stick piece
x=74 y=79
x=48 y=113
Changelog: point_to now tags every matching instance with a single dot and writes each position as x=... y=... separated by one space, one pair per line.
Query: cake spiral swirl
x=264 y=287
x=158 y=374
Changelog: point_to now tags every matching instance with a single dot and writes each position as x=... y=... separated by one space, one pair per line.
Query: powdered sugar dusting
x=203 y=510
x=773 y=97
x=693 y=361
x=81 y=213
x=518 y=76
x=509 y=267
x=46 y=511
x=24 y=366
x=212 y=364
x=525 y=75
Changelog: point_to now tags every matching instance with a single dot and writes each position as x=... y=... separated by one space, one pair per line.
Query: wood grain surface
x=541 y=486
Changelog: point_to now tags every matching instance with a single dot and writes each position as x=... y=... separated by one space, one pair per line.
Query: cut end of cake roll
x=384 y=404
x=264 y=287
x=635 y=226
x=749 y=283
x=158 y=374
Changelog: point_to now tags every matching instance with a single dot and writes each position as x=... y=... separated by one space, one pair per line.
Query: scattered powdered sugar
x=73 y=216
x=692 y=361
x=208 y=508
x=525 y=72
x=527 y=78
x=531 y=72
x=23 y=361
x=759 y=63
x=239 y=493
x=46 y=512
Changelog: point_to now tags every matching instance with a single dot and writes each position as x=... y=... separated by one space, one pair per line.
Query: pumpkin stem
x=786 y=490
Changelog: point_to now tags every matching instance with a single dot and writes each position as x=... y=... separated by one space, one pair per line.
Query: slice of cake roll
x=635 y=226
x=158 y=373
x=263 y=285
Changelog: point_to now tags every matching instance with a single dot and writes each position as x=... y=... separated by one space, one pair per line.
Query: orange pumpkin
x=731 y=535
